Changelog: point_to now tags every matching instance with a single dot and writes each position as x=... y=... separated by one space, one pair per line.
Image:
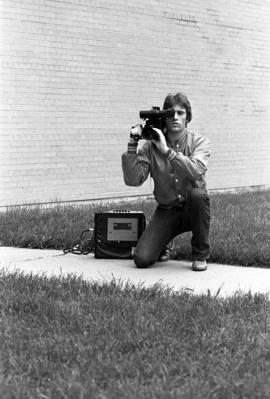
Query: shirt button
x=176 y=180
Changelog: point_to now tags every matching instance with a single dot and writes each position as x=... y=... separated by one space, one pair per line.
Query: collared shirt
x=175 y=173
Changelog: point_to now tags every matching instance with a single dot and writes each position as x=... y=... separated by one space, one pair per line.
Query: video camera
x=154 y=118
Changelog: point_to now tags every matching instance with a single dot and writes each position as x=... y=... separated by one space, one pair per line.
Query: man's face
x=177 y=123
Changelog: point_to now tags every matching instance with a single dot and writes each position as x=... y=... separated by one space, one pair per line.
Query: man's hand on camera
x=161 y=143
x=135 y=133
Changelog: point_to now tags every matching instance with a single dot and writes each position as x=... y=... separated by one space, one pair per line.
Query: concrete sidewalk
x=174 y=274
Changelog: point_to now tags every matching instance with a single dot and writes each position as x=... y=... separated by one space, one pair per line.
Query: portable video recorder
x=117 y=232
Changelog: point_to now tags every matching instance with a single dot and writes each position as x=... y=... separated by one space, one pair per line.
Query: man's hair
x=180 y=99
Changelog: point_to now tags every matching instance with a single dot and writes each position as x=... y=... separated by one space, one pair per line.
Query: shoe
x=164 y=256
x=199 y=265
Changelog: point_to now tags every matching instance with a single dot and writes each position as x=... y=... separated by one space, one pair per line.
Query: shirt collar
x=180 y=142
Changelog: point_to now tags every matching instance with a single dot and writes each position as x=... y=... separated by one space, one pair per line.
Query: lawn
x=240 y=226
x=65 y=338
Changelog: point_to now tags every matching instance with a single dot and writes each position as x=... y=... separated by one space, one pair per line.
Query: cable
x=84 y=246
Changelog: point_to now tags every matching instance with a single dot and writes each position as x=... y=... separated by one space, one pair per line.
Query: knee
x=141 y=260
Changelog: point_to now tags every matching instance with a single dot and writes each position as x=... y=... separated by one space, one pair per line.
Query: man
x=177 y=162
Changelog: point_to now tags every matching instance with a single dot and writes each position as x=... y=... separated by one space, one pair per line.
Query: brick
x=76 y=73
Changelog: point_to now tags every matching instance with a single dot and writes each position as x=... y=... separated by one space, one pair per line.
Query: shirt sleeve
x=194 y=165
x=135 y=166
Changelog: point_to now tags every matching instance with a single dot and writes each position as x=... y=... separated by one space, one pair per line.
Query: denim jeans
x=166 y=224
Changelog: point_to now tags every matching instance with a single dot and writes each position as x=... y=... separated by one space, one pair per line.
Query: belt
x=177 y=203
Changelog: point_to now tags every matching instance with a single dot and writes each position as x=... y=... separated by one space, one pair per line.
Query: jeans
x=166 y=224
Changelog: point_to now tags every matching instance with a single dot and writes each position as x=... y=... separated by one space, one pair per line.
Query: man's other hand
x=161 y=143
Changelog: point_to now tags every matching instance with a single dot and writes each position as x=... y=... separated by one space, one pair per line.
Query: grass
x=67 y=338
x=240 y=227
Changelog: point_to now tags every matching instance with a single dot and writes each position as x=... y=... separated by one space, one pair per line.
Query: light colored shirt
x=175 y=173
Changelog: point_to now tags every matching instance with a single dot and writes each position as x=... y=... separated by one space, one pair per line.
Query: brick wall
x=75 y=73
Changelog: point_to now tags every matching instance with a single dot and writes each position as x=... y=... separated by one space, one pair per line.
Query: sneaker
x=199 y=265
x=164 y=256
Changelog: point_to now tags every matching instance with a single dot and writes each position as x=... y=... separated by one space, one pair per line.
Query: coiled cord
x=84 y=246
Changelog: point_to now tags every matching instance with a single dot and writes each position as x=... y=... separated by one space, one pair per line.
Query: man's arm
x=195 y=165
x=135 y=166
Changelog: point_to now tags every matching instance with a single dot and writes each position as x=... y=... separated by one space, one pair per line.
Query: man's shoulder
x=193 y=133
x=194 y=136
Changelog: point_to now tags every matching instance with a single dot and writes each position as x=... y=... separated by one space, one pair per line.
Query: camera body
x=154 y=118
